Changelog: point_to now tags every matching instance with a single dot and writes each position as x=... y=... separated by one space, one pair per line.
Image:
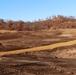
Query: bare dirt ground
x=57 y=55
x=41 y=48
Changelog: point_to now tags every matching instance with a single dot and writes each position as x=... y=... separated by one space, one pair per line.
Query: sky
x=31 y=10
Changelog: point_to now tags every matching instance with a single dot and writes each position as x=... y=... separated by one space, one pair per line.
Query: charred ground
x=59 y=61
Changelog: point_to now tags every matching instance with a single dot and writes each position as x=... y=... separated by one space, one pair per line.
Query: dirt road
x=52 y=46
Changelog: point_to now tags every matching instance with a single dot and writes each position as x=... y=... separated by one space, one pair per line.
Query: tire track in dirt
x=52 y=46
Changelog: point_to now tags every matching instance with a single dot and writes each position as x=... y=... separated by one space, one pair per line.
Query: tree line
x=56 y=22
